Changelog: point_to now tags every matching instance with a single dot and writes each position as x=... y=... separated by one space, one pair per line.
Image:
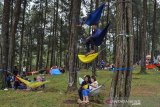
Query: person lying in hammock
x=91 y=40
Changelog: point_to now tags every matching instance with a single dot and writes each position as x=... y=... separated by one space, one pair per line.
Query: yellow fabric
x=87 y=59
x=32 y=84
x=85 y=86
x=23 y=80
x=37 y=84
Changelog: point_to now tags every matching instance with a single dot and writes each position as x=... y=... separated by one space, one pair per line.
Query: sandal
x=79 y=101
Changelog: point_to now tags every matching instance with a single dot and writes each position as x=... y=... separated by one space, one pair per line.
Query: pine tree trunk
x=121 y=82
x=136 y=42
x=30 y=49
x=143 y=39
x=48 y=51
x=12 y=43
x=43 y=27
x=22 y=33
x=11 y=13
x=75 y=12
x=56 y=35
x=60 y=47
x=38 y=52
x=0 y=51
x=94 y=63
x=154 y=35
x=5 y=41
x=52 y=38
x=53 y=43
x=28 y=53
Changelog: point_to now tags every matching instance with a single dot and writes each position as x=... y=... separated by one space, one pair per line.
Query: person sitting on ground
x=62 y=70
x=47 y=70
x=102 y=64
x=16 y=82
x=8 y=80
x=84 y=85
x=34 y=79
x=23 y=75
x=93 y=86
x=90 y=44
x=39 y=78
x=54 y=67
x=43 y=79
x=22 y=86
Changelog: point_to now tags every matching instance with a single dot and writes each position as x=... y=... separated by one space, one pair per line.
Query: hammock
x=97 y=41
x=95 y=91
x=80 y=80
x=31 y=84
x=92 y=92
x=89 y=58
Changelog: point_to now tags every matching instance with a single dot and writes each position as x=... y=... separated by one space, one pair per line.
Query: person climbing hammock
x=90 y=41
x=96 y=38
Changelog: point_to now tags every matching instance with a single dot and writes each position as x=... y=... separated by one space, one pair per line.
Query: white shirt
x=93 y=85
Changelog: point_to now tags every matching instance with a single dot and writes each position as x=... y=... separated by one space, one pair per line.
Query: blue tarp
x=55 y=72
x=95 y=16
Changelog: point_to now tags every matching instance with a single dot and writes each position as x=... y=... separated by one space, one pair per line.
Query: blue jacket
x=99 y=35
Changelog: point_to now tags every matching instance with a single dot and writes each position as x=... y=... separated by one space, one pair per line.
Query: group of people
x=13 y=82
x=62 y=70
x=42 y=71
x=89 y=83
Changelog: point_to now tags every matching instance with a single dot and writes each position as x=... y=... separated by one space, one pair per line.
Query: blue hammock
x=98 y=39
x=95 y=16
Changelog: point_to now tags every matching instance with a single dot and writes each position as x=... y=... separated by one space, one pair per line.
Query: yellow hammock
x=32 y=84
x=89 y=58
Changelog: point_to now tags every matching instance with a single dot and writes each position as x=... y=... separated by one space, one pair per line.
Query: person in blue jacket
x=92 y=40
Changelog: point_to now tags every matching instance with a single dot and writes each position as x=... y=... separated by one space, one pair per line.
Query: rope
x=112 y=41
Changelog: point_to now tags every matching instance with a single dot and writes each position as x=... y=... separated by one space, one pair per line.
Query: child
x=83 y=86
x=93 y=86
x=39 y=78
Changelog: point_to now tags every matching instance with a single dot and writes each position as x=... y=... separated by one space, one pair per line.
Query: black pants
x=80 y=94
x=9 y=84
x=90 y=44
x=16 y=84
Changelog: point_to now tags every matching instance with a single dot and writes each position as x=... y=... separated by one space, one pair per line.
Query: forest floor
x=145 y=90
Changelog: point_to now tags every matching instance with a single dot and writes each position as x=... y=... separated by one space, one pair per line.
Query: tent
x=55 y=72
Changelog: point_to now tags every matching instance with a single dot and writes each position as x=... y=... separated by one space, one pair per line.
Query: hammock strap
x=122 y=69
